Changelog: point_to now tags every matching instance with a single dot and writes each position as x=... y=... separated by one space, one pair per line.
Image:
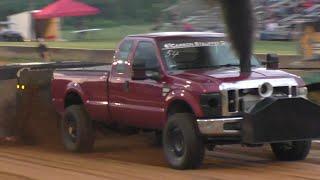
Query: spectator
x=284 y=10
x=187 y=27
x=307 y=4
x=158 y=24
x=175 y=19
x=43 y=50
x=271 y=25
x=80 y=27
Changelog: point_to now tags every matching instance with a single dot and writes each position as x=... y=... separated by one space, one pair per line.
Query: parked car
x=11 y=36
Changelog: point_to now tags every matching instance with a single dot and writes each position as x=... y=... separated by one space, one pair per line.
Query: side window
x=122 y=59
x=124 y=50
x=146 y=52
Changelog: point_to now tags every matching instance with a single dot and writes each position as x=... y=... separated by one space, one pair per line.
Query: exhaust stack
x=240 y=25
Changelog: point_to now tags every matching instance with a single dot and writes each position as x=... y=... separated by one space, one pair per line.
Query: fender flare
x=188 y=98
x=74 y=87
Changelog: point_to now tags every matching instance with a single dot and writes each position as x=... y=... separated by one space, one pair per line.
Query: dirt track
x=134 y=157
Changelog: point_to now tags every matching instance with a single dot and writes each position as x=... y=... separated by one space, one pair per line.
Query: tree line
x=112 y=11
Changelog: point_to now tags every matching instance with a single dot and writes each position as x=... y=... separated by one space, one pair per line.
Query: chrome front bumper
x=216 y=127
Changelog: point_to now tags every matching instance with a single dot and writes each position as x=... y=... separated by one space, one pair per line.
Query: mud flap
x=280 y=120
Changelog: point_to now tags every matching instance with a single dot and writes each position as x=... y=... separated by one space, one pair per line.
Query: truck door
x=118 y=82
x=144 y=106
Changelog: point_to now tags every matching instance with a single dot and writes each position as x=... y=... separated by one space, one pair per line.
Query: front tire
x=77 y=130
x=182 y=144
x=291 y=151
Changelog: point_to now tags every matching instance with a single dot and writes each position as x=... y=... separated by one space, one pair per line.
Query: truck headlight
x=302 y=91
x=211 y=104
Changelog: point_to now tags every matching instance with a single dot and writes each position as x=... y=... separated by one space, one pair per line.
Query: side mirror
x=139 y=69
x=140 y=72
x=272 y=61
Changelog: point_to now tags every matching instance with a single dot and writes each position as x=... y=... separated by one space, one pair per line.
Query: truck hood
x=231 y=74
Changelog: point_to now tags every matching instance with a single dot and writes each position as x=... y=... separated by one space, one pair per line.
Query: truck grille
x=243 y=100
x=233 y=101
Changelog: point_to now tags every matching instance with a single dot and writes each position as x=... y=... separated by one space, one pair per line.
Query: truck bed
x=9 y=71
x=91 y=81
x=105 y=68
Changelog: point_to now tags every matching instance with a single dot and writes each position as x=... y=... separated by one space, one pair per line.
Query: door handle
x=126 y=86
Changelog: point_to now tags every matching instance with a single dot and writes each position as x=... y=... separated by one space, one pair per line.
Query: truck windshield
x=197 y=55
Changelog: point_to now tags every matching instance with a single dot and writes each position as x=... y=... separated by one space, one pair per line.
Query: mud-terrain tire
x=77 y=130
x=291 y=151
x=157 y=139
x=182 y=144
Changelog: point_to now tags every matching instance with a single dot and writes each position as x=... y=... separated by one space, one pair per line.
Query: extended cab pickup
x=189 y=87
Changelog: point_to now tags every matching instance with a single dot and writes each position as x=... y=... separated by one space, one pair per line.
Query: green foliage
x=8 y=7
x=113 y=12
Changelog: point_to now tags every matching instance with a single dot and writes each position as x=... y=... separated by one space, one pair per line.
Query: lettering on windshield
x=172 y=53
x=169 y=46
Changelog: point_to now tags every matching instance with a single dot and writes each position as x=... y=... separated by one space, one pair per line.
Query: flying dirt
x=7 y=108
x=26 y=111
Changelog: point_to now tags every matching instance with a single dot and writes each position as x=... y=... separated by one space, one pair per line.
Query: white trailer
x=31 y=28
x=22 y=23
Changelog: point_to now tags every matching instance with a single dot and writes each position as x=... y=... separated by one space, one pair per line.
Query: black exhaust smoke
x=240 y=25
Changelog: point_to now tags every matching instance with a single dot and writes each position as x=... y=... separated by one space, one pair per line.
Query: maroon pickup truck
x=188 y=87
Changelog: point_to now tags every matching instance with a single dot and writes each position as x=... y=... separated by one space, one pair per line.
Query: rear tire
x=158 y=138
x=77 y=130
x=291 y=151
x=182 y=144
